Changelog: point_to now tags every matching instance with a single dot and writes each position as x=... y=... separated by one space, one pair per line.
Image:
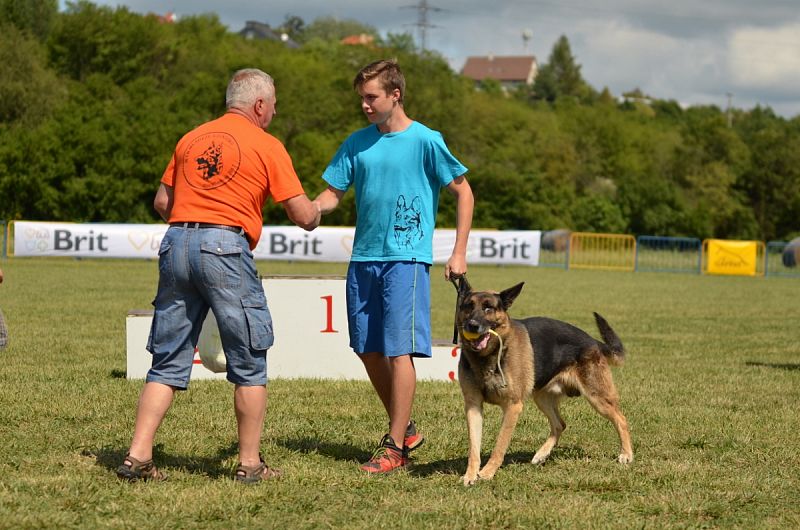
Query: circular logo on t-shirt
x=211 y=160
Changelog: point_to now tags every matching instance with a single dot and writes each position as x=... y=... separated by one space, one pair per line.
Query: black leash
x=458 y=282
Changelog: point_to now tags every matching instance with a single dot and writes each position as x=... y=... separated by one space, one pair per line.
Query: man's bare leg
x=154 y=402
x=250 y=403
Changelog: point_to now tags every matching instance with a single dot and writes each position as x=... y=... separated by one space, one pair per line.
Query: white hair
x=248 y=85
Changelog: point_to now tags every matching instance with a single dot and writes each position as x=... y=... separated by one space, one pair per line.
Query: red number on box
x=328 y=314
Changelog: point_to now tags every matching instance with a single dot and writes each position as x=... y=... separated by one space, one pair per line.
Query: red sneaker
x=413 y=438
x=386 y=458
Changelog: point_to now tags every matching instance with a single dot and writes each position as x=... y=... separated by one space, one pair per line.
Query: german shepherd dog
x=504 y=361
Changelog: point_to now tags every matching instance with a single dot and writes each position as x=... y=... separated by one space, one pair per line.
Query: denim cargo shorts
x=201 y=269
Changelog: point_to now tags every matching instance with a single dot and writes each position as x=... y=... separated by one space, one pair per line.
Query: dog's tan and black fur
x=539 y=357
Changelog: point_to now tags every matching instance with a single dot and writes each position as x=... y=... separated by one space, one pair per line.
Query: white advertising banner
x=276 y=243
x=87 y=240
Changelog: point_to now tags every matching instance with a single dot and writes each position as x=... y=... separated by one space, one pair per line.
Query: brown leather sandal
x=134 y=470
x=257 y=473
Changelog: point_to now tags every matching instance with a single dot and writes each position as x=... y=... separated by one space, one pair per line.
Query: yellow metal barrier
x=742 y=258
x=602 y=251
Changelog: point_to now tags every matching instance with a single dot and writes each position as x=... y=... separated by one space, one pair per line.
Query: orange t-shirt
x=223 y=171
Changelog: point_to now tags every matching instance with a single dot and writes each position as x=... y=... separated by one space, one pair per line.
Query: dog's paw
x=486 y=474
x=539 y=459
x=625 y=459
x=469 y=480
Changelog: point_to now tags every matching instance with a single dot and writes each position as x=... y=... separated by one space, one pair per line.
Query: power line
x=422 y=24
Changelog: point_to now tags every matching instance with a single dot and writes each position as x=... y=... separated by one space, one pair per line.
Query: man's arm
x=163 y=201
x=302 y=212
x=329 y=199
x=465 y=202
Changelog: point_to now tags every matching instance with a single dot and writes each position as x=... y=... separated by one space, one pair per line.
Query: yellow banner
x=732 y=257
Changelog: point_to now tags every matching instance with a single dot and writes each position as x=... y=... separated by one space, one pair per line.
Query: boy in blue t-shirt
x=397 y=167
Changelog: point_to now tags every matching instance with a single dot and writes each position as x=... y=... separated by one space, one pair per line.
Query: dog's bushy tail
x=615 y=351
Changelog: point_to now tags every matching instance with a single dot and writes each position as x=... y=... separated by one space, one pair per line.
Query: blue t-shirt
x=397 y=178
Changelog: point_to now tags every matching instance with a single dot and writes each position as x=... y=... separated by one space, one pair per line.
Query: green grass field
x=711 y=389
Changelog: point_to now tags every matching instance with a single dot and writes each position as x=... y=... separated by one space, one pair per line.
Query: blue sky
x=692 y=52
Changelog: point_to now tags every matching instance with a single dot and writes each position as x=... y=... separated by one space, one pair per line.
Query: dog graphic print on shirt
x=209 y=163
x=211 y=160
x=407 y=222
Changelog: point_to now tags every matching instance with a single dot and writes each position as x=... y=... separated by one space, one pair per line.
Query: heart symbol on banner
x=34 y=233
x=347 y=244
x=138 y=239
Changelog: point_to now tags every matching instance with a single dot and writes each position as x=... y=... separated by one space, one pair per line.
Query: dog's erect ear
x=509 y=295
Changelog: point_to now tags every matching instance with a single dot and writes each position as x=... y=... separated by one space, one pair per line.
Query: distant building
x=362 y=39
x=169 y=18
x=635 y=96
x=261 y=31
x=509 y=71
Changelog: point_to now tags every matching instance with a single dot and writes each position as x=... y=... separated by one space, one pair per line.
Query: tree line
x=93 y=99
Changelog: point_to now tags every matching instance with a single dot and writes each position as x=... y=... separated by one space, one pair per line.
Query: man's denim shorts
x=389 y=308
x=202 y=268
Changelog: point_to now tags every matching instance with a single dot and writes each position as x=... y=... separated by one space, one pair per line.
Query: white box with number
x=311 y=340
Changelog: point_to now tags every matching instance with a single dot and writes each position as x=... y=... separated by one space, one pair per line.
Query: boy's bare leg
x=395 y=381
x=380 y=376
x=404 y=385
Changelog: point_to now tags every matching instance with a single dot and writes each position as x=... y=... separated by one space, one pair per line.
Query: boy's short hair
x=387 y=72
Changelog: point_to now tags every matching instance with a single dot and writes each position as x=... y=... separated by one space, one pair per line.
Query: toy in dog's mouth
x=476 y=340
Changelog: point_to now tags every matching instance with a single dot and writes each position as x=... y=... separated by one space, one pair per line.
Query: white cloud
x=610 y=45
x=766 y=58
x=623 y=57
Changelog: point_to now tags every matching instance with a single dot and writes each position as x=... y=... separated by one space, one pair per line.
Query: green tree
x=91 y=39
x=561 y=76
x=29 y=90
x=34 y=16
x=293 y=26
x=492 y=87
x=771 y=181
x=595 y=213
x=707 y=165
x=400 y=41
x=334 y=29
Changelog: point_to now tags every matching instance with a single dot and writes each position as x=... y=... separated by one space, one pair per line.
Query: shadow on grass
x=780 y=366
x=457 y=466
x=331 y=450
x=453 y=466
x=354 y=454
x=212 y=467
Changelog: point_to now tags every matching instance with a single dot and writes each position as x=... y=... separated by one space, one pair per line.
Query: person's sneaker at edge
x=386 y=458
x=413 y=438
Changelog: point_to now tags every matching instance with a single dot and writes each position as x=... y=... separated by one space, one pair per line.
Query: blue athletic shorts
x=198 y=269
x=389 y=308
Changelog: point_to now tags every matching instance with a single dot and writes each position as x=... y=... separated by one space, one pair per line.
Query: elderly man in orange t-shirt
x=212 y=194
